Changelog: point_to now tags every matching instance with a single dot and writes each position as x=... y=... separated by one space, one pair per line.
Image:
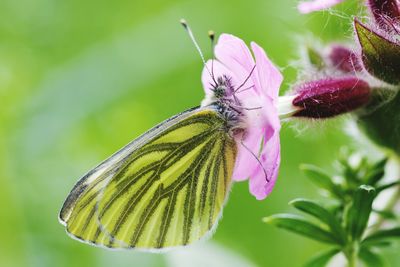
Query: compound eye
x=219 y=92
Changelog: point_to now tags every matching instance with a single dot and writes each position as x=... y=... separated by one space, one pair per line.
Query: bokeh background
x=79 y=79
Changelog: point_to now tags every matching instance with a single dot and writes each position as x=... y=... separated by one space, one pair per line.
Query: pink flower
x=316 y=5
x=259 y=81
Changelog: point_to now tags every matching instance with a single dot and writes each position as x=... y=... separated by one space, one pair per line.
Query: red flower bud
x=330 y=97
x=384 y=10
x=344 y=59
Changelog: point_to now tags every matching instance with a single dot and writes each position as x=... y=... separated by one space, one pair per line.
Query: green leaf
x=370 y=258
x=350 y=172
x=373 y=177
x=381 y=56
x=380 y=164
x=378 y=244
x=382 y=235
x=321 y=179
x=315 y=58
x=376 y=173
x=302 y=226
x=360 y=210
x=386 y=186
x=386 y=214
x=322 y=259
x=314 y=209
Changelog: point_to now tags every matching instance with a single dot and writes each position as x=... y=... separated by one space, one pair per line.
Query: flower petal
x=271 y=113
x=263 y=112
x=270 y=158
x=246 y=161
x=316 y=5
x=270 y=78
x=249 y=157
x=234 y=53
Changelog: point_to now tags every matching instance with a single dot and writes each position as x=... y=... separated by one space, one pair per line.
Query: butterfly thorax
x=227 y=104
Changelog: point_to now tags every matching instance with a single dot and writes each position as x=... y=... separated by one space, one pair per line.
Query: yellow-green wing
x=165 y=189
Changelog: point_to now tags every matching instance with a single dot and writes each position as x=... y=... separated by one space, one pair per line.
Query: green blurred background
x=79 y=79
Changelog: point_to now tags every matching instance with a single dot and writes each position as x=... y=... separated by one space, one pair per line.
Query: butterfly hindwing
x=165 y=189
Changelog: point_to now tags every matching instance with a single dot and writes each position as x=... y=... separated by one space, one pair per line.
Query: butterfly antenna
x=258 y=160
x=189 y=31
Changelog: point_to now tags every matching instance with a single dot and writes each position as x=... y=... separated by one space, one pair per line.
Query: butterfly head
x=223 y=87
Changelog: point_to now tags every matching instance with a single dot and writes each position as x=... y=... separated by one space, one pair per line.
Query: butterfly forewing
x=165 y=189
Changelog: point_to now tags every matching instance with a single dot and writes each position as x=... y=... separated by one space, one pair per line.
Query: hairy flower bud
x=344 y=59
x=380 y=53
x=330 y=97
x=384 y=10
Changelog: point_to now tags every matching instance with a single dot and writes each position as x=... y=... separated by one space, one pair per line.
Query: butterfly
x=167 y=188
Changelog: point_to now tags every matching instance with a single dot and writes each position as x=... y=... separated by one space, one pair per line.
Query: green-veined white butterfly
x=166 y=188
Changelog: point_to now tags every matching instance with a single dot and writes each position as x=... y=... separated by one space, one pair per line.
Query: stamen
x=258 y=160
x=248 y=77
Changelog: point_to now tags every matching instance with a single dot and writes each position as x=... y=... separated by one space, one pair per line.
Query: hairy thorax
x=227 y=104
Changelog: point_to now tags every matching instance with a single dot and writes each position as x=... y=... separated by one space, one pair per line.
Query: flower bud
x=330 y=97
x=344 y=59
x=384 y=10
x=380 y=54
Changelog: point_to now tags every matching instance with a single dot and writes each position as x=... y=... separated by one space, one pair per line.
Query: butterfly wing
x=165 y=189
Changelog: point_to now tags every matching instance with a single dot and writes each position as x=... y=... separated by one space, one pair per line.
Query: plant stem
x=351 y=252
x=352 y=260
x=351 y=255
